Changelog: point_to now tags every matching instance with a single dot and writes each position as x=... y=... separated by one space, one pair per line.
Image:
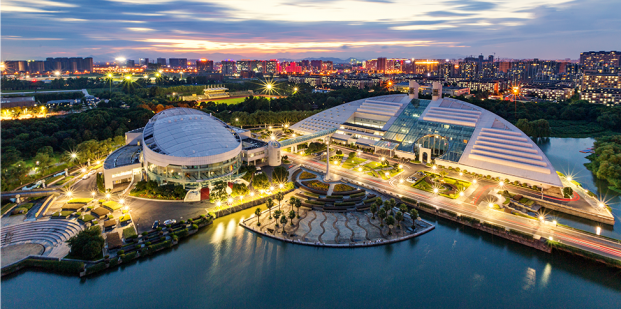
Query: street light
x=281 y=186
x=435 y=190
x=252 y=193
x=400 y=165
x=461 y=193
x=569 y=178
x=108 y=196
x=93 y=194
x=501 y=183
x=601 y=205
x=434 y=167
x=122 y=201
x=69 y=193
x=360 y=169
x=83 y=170
x=491 y=205
x=230 y=200
x=461 y=174
x=272 y=188
x=474 y=181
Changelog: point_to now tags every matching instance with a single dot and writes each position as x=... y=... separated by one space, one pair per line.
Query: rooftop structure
x=451 y=132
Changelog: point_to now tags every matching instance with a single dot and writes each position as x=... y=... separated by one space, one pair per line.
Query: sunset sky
x=108 y=29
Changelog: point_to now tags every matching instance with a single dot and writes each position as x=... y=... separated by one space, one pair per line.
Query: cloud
x=422 y=27
x=139 y=29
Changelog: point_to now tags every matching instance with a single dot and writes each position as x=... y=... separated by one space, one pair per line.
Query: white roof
x=496 y=145
x=186 y=132
x=385 y=108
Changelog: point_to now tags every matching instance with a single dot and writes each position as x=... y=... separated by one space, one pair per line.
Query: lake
x=452 y=266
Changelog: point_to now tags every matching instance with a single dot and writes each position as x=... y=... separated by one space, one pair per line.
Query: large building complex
x=187 y=147
x=451 y=132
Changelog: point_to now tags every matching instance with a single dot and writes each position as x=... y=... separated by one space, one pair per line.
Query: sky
x=296 y=29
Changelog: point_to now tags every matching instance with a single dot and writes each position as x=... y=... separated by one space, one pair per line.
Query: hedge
x=470 y=219
x=493 y=226
x=79 y=201
x=358 y=194
x=425 y=205
x=448 y=212
x=521 y=234
x=96 y=268
x=130 y=256
x=345 y=204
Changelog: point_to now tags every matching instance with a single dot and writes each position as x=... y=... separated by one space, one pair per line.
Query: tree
x=219 y=191
x=280 y=174
x=269 y=203
x=261 y=182
x=568 y=192
x=399 y=218
x=351 y=156
x=382 y=215
x=390 y=221
x=257 y=213
x=87 y=244
x=283 y=221
x=277 y=214
x=414 y=216
x=298 y=204
x=292 y=216
x=279 y=197
x=403 y=208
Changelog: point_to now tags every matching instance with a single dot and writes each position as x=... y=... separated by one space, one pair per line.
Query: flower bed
x=343 y=187
x=307 y=175
x=317 y=185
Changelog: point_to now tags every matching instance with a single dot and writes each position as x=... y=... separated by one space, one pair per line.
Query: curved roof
x=186 y=132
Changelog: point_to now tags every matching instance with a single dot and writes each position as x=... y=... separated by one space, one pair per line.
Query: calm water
x=229 y=267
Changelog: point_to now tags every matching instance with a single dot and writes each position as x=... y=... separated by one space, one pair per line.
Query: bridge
x=29 y=193
x=294 y=142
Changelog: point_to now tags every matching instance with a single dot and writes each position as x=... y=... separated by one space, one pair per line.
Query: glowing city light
x=491 y=205
x=122 y=201
x=69 y=193
x=281 y=186
x=360 y=169
x=435 y=190
x=501 y=183
x=108 y=195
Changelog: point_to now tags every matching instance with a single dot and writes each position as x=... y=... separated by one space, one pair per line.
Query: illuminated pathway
x=545 y=229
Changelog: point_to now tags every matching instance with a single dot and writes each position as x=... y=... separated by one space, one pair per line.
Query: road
x=475 y=207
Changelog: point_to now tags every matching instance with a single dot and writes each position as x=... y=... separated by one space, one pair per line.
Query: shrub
x=95 y=268
x=159 y=228
x=121 y=252
x=129 y=233
x=144 y=233
x=343 y=187
x=307 y=175
x=87 y=244
x=148 y=243
x=194 y=227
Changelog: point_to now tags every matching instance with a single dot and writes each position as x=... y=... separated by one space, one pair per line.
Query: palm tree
x=403 y=208
x=292 y=216
x=283 y=220
x=382 y=215
x=257 y=213
x=443 y=174
x=399 y=218
x=414 y=215
x=279 y=197
x=292 y=201
x=298 y=204
x=373 y=209
x=276 y=216
x=390 y=221
x=269 y=203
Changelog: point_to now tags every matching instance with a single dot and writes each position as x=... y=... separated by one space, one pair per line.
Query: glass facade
x=193 y=174
x=412 y=132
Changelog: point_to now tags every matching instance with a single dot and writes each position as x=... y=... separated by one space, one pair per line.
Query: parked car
x=170 y=221
x=411 y=179
x=156 y=224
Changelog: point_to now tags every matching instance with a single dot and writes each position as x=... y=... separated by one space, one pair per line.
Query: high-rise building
x=271 y=66
x=316 y=64
x=143 y=61
x=161 y=61
x=130 y=63
x=178 y=62
x=36 y=66
x=228 y=67
x=204 y=65
x=381 y=64
x=602 y=61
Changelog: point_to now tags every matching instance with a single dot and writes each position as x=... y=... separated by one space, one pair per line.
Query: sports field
x=229 y=101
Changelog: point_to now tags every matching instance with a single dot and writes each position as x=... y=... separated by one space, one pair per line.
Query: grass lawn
x=229 y=101
x=128 y=232
x=349 y=164
x=372 y=165
x=6 y=207
x=112 y=205
x=87 y=218
x=79 y=201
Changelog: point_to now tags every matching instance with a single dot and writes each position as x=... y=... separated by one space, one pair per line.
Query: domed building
x=178 y=146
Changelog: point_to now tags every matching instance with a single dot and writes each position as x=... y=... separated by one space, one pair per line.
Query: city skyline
x=340 y=29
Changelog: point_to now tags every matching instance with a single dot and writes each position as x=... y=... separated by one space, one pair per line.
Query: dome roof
x=186 y=132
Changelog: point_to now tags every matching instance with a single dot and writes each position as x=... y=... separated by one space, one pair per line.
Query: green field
x=228 y=101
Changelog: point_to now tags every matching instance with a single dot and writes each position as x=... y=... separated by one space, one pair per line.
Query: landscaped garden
x=79 y=201
x=112 y=205
x=343 y=187
x=151 y=189
x=383 y=170
x=307 y=175
x=317 y=185
x=446 y=186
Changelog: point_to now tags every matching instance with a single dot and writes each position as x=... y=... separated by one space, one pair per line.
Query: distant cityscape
x=596 y=75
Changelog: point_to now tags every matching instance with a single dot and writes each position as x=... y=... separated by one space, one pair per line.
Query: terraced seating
x=52 y=232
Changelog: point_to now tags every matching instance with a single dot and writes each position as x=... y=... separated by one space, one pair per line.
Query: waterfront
x=452 y=266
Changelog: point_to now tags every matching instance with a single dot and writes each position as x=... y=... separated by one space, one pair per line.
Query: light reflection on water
x=230 y=267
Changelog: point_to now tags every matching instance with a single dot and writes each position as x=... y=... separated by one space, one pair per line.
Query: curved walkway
x=318 y=228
